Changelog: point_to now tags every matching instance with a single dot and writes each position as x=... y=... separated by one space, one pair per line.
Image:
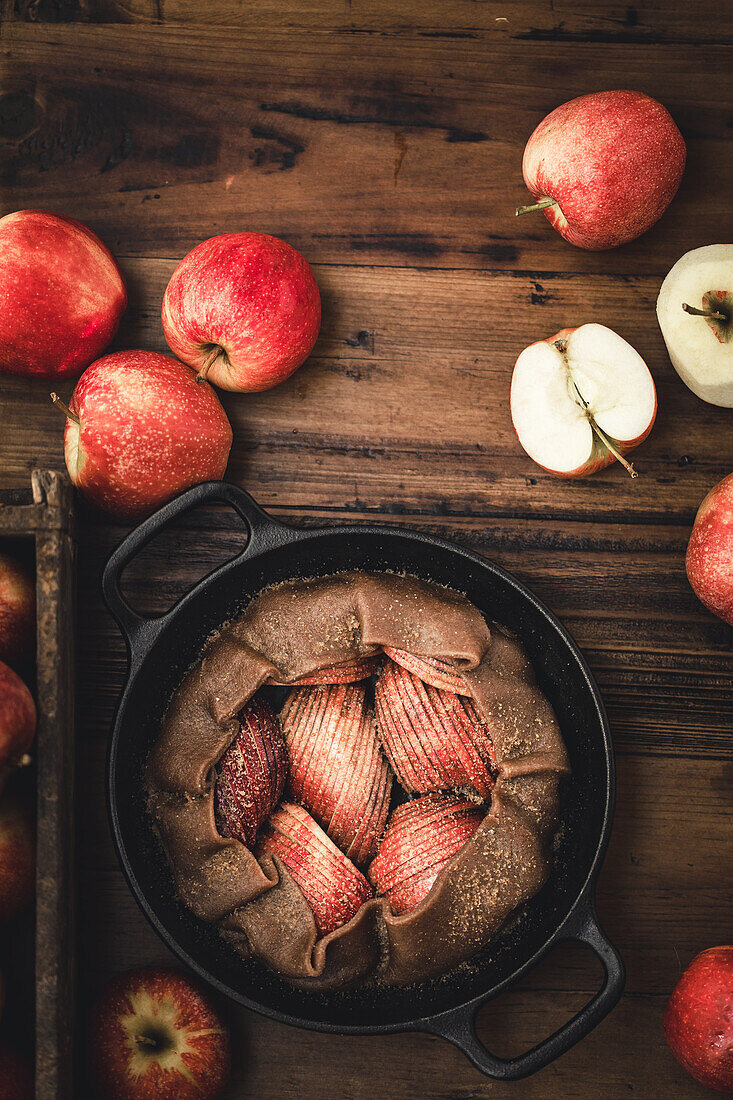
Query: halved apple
x=581 y=400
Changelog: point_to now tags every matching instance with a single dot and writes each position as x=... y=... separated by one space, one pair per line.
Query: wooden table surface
x=384 y=139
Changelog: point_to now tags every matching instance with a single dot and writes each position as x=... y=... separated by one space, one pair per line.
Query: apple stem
x=541 y=205
x=714 y=314
x=604 y=438
x=208 y=362
x=145 y=1041
x=65 y=409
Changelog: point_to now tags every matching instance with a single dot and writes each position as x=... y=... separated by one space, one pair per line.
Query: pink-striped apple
x=139 y=430
x=604 y=167
x=61 y=295
x=582 y=399
x=710 y=551
x=242 y=309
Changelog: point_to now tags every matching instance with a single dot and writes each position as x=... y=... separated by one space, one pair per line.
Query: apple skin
x=601 y=456
x=698 y=1019
x=17 y=612
x=61 y=295
x=16 y=1078
x=148 y=431
x=251 y=295
x=709 y=559
x=187 y=1055
x=17 y=721
x=17 y=856
x=612 y=161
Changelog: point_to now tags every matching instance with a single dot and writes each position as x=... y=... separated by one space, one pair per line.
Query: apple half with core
x=139 y=431
x=581 y=400
x=243 y=310
x=61 y=292
x=604 y=167
x=695 y=314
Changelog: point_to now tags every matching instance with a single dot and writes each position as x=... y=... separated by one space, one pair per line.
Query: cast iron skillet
x=161 y=649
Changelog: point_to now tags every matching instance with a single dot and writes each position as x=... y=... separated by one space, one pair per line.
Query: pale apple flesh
x=695 y=314
x=604 y=167
x=581 y=399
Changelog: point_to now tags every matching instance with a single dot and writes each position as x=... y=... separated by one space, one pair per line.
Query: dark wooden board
x=385 y=140
x=45 y=522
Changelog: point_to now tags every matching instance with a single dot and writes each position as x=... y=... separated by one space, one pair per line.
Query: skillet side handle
x=460 y=1027
x=260 y=527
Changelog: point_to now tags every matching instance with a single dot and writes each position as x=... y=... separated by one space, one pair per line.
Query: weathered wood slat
x=334 y=140
x=526 y=20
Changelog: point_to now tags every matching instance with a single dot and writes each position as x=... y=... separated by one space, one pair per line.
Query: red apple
x=243 y=309
x=153 y=1033
x=17 y=857
x=139 y=430
x=17 y=721
x=698 y=1019
x=17 y=612
x=582 y=399
x=710 y=551
x=16 y=1078
x=604 y=167
x=62 y=295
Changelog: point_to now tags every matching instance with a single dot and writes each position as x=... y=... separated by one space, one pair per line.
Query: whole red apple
x=17 y=721
x=17 y=857
x=698 y=1019
x=61 y=295
x=17 y=612
x=710 y=551
x=139 y=430
x=604 y=167
x=243 y=309
x=16 y=1079
x=154 y=1034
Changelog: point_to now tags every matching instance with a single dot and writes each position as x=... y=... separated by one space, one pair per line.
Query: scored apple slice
x=431 y=670
x=421 y=836
x=433 y=739
x=581 y=400
x=347 y=672
x=330 y=883
x=251 y=773
x=336 y=766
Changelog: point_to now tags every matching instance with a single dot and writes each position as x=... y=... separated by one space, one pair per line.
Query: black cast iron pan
x=161 y=649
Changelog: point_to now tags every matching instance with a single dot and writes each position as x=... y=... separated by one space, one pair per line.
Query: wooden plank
x=526 y=20
x=333 y=140
x=404 y=406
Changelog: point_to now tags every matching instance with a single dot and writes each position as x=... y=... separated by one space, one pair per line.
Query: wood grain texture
x=385 y=140
x=358 y=149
